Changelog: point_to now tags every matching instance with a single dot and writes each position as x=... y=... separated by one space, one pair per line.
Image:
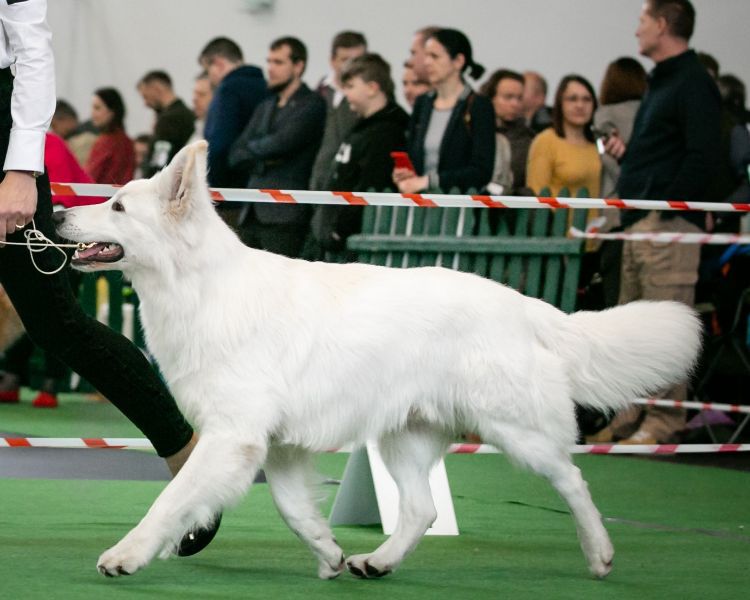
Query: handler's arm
x=28 y=46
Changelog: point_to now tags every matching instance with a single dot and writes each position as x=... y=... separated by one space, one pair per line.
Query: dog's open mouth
x=98 y=252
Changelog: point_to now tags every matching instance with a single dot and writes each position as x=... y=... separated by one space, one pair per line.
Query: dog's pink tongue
x=89 y=252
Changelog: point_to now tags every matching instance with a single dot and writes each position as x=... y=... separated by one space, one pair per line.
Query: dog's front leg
x=218 y=472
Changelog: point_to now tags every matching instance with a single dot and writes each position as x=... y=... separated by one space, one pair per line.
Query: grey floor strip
x=51 y=463
x=74 y=463
x=710 y=532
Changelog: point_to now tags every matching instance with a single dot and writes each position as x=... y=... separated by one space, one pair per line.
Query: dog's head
x=130 y=230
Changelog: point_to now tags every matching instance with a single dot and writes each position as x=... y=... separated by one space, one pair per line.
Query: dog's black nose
x=58 y=217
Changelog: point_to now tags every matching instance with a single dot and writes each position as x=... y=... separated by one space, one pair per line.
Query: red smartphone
x=401 y=160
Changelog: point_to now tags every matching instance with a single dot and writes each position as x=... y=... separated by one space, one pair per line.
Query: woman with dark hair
x=734 y=96
x=513 y=136
x=622 y=88
x=112 y=159
x=565 y=155
x=620 y=96
x=452 y=129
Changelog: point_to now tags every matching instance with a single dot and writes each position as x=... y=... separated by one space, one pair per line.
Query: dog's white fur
x=275 y=359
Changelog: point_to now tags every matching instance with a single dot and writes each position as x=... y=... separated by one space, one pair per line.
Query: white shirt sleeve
x=28 y=42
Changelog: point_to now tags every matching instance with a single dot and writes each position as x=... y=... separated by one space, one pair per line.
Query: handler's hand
x=413 y=184
x=17 y=202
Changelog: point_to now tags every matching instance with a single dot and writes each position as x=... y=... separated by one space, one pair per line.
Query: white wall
x=114 y=42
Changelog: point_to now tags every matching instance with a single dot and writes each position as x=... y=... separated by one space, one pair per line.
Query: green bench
x=527 y=249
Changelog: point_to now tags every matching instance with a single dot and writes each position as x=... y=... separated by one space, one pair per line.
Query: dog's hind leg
x=218 y=472
x=409 y=456
x=291 y=479
x=534 y=450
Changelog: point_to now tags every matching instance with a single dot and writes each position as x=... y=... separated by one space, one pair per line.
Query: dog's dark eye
x=117 y=206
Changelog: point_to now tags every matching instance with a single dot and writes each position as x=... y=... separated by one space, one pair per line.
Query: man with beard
x=277 y=150
x=174 y=121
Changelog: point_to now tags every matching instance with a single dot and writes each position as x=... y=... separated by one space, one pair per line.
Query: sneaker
x=196 y=540
x=10 y=396
x=45 y=400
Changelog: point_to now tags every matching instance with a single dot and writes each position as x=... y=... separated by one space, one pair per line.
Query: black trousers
x=18 y=355
x=55 y=321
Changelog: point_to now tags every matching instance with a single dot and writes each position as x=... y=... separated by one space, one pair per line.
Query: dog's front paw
x=123 y=559
x=331 y=570
x=366 y=566
x=601 y=564
x=600 y=554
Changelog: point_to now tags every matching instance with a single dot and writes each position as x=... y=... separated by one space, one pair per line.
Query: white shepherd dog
x=274 y=360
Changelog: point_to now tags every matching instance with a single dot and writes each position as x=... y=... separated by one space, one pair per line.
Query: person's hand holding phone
x=614 y=146
x=401 y=174
x=405 y=175
x=402 y=167
x=413 y=184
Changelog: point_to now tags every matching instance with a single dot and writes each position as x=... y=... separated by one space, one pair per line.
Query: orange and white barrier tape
x=111 y=443
x=665 y=237
x=618 y=449
x=63 y=190
x=729 y=408
x=144 y=444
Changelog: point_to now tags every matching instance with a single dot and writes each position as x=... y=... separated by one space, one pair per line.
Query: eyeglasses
x=574 y=99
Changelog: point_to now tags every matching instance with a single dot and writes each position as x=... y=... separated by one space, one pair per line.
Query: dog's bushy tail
x=626 y=352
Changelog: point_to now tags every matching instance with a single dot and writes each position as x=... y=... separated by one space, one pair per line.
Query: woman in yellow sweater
x=565 y=155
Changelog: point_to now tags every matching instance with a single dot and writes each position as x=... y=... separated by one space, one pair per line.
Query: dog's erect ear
x=182 y=176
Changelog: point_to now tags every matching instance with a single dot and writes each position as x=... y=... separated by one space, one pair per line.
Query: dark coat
x=234 y=102
x=467 y=152
x=340 y=120
x=363 y=163
x=277 y=149
x=676 y=142
x=174 y=126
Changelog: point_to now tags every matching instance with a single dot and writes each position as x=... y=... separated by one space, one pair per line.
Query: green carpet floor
x=678 y=531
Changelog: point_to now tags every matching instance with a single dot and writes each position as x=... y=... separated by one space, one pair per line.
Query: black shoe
x=195 y=541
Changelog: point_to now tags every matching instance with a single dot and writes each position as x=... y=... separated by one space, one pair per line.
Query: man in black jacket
x=673 y=155
x=174 y=125
x=277 y=149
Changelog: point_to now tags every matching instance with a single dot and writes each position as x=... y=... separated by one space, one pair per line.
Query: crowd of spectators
x=679 y=133
x=268 y=129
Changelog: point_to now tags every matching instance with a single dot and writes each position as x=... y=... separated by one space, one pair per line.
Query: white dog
x=276 y=359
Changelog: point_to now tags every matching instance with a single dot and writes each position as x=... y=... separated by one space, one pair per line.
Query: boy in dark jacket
x=363 y=161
